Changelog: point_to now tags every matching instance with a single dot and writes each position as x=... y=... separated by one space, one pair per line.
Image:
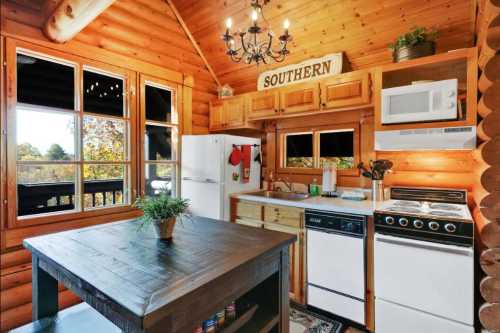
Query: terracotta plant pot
x=412 y=52
x=165 y=228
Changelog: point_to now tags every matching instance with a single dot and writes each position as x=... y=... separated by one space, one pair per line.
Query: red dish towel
x=247 y=158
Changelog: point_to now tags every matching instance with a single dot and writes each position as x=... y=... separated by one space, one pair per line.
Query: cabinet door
x=263 y=104
x=346 y=90
x=216 y=120
x=234 y=112
x=297 y=262
x=248 y=210
x=299 y=98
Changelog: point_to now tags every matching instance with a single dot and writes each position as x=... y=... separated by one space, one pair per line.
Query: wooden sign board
x=311 y=69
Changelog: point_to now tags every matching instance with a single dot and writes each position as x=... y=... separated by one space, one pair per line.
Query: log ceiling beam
x=193 y=41
x=69 y=17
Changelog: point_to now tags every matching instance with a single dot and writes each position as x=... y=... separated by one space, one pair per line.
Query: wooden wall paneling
x=490 y=73
x=3 y=145
x=490 y=289
x=71 y=16
x=362 y=29
x=490 y=100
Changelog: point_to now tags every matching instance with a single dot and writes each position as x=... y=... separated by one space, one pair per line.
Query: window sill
x=72 y=216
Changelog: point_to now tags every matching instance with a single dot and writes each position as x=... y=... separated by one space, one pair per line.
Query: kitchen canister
x=377 y=190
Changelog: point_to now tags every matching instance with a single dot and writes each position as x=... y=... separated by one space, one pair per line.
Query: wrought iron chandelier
x=252 y=48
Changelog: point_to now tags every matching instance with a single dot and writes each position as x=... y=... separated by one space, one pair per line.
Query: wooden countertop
x=142 y=280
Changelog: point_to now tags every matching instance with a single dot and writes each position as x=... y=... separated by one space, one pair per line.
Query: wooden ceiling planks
x=361 y=28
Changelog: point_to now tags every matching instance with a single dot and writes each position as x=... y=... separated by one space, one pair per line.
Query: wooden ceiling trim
x=191 y=38
x=71 y=17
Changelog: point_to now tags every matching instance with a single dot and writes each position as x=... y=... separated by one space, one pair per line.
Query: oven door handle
x=465 y=251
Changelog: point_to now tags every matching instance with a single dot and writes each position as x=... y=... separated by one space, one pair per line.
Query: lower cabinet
x=282 y=219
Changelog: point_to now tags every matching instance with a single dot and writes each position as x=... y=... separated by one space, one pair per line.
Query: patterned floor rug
x=303 y=321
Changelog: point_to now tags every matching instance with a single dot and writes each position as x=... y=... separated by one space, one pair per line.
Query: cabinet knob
x=276 y=110
x=323 y=105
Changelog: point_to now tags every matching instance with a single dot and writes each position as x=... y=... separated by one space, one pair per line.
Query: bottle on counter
x=314 y=188
x=230 y=312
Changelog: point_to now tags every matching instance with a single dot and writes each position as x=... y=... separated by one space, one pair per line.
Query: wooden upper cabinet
x=299 y=98
x=345 y=90
x=234 y=111
x=263 y=104
x=216 y=120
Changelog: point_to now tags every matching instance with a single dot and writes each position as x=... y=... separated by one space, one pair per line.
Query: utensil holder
x=378 y=190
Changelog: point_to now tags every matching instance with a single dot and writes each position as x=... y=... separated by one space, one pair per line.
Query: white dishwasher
x=336 y=268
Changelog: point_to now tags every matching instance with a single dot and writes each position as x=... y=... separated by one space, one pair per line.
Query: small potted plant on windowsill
x=162 y=212
x=419 y=42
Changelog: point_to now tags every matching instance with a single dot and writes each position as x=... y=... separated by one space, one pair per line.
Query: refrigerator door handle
x=200 y=180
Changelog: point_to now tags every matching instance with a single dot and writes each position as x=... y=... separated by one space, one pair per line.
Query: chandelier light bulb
x=286 y=24
x=229 y=23
x=255 y=15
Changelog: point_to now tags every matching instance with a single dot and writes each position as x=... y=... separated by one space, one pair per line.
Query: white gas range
x=424 y=262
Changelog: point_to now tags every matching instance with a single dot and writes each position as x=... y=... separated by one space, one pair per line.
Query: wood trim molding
x=191 y=38
x=72 y=16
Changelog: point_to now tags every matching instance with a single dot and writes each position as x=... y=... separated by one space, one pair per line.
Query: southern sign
x=304 y=71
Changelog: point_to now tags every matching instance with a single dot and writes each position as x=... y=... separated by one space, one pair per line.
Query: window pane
x=158 y=143
x=104 y=185
x=158 y=104
x=337 y=147
x=45 y=136
x=102 y=94
x=299 y=151
x=43 y=82
x=160 y=178
x=103 y=139
x=45 y=188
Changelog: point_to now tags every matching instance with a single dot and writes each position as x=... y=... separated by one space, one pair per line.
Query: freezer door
x=430 y=277
x=202 y=158
x=392 y=318
x=205 y=198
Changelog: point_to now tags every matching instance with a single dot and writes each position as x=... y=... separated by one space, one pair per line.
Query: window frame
x=316 y=131
x=175 y=125
x=12 y=48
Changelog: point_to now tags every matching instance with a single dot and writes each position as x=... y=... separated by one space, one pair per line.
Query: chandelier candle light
x=252 y=48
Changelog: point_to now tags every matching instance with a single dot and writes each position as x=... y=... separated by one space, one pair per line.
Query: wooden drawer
x=249 y=210
x=293 y=217
x=250 y=223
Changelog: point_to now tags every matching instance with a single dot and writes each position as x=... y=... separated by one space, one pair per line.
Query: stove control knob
x=450 y=227
x=403 y=221
x=418 y=224
x=389 y=220
x=433 y=225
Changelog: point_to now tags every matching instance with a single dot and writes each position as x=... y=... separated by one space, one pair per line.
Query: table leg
x=284 y=325
x=44 y=292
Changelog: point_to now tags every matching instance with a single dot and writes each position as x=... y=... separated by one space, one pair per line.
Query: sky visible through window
x=41 y=130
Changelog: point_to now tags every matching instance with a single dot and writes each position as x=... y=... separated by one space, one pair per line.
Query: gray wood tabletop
x=143 y=284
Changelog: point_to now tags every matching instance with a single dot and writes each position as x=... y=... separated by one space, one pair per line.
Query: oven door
x=428 y=277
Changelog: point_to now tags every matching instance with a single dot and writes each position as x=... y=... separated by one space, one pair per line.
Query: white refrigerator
x=207 y=177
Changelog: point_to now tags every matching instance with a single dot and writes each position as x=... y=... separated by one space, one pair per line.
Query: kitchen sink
x=281 y=195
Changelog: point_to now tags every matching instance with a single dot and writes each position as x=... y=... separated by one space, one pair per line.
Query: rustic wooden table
x=141 y=284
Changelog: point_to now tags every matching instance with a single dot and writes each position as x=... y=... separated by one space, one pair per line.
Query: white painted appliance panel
x=340 y=305
x=202 y=158
x=391 y=318
x=336 y=262
x=430 y=277
x=206 y=199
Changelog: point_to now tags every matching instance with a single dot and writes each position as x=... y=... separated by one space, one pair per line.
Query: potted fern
x=162 y=212
x=419 y=42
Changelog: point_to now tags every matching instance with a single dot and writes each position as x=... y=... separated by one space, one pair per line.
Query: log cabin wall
x=144 y=36
x=487 y=157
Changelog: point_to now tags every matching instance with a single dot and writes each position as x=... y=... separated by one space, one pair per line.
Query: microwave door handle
x=425 y=245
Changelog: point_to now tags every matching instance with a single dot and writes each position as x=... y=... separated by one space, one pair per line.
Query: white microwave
x=421 y=102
